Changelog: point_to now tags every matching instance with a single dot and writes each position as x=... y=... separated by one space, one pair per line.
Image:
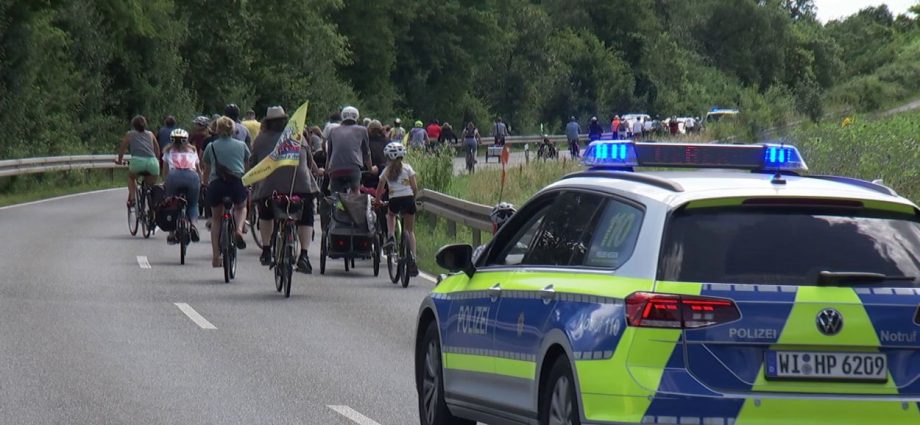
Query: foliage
x=434 y=171
x=73 y=73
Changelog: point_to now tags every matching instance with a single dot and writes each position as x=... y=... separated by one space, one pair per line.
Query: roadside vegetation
x=20 y=189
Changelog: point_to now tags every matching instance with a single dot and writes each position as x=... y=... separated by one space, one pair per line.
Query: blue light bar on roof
x=612 y=153
x=627 y=154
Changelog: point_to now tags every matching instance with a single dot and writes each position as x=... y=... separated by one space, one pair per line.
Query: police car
x=751 y=294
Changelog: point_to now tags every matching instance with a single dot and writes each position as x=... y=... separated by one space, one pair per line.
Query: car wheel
x=430 y=383
x=558 y=403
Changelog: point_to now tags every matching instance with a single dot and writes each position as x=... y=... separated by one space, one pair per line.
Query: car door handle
x=548 y=293
x=495 y=291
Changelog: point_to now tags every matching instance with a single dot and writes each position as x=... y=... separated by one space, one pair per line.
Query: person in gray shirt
x=348 y=151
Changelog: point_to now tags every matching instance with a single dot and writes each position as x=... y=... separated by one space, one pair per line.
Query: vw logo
x=830 y=321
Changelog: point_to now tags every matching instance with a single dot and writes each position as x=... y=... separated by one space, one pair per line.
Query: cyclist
x=572 y=130
x=399 y=180
x=281 y=181
x=240 y=132
x=348 y=151
x=199 y=133
x=163 y=134
x=225 y=162
x=500 y=214
x=594 y=130
x=471 y=140
x=418 y=136
x=183 y=174
x=397 y=133
x=142 y=145
x=499 y=132
x=377 y=143
x=448 y=135
x=252 y=124
x=434 y=133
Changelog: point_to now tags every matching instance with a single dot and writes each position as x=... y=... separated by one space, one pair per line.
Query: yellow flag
x=286 y=152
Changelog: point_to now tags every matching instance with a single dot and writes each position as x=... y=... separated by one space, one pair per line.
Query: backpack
x=223 y=172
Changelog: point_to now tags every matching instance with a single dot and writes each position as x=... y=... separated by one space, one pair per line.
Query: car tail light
x=650 y=310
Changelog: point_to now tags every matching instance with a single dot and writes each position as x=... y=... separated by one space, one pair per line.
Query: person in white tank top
x=183 y=175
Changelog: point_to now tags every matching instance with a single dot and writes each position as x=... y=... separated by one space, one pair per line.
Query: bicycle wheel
x=254 y=226
x=393 y=256
x=226 y=242
x=377 y=245
x=276 y=260
x=322 y=254
x=182 y=233
x=142 y=212
x=404 y=260
x=287 y=269
x=133 y=219
x=233 y=250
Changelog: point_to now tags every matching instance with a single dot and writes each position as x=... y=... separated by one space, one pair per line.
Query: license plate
x=807 y=365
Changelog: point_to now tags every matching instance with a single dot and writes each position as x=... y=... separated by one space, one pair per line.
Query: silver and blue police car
x=752 y=294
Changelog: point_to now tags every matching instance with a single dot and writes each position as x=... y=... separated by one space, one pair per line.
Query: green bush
x=433 y=170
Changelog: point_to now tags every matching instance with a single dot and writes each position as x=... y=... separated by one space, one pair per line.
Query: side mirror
x=456 y=258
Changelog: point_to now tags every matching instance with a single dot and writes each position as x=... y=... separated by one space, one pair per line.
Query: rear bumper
x=757 y=411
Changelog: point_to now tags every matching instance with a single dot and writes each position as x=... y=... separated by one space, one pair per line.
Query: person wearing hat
x=281 y=181
x=348 y=150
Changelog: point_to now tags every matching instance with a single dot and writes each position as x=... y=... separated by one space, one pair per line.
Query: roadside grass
x=28 y=188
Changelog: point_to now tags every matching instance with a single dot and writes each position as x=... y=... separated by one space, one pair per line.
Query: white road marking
x=42 y=201
x=142 y=261
x=427 y=276
x=197 y=318
x=353 y=415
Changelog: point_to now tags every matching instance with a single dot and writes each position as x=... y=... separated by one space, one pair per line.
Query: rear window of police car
x=787 y=247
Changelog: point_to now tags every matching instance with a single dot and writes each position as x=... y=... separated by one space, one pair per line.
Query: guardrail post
x=452 y=228
x=432 y=220
x=477 y=237
x=527 y=153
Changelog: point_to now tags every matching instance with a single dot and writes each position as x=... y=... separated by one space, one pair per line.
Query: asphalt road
x=517 y=157
x=89 y=336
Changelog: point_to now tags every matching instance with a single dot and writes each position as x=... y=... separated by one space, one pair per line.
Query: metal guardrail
x=18 y=167
x=455 y=210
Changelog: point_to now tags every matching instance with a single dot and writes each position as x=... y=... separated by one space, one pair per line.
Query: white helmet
x=178 y=134
x=394 y=150
x=500 y=214
x=350 y=113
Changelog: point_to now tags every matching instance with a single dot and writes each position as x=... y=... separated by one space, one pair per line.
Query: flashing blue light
x=611 y=153
x=782 y=157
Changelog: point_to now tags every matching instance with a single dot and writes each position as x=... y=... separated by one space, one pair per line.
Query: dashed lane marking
x=142 y=262
x=353 y=415
x=197 y=318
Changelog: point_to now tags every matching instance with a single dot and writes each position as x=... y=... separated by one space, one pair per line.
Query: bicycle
x=252 y=221
x=471 y=160
x=284 y=240
x=398 y=256
x=183 y=232
x=228 y=241
x=140 y=213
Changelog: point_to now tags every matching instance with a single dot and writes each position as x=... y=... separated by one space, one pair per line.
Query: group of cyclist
x=342 y=158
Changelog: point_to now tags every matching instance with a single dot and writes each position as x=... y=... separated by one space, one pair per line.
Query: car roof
x=662 y=186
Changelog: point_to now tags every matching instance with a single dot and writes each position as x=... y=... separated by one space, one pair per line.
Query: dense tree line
x=73 y=72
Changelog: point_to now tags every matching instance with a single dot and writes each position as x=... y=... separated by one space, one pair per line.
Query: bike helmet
x=418 y=124
x=394 y=150
x=202 y=121
x=500 y=214
x=178 y=135
x=350 y=113
x=397 y=121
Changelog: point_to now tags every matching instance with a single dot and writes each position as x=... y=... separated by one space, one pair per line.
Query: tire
x=287 y=270
x=322 y=254
x=558 y=404
x=255 y=226
x=432 y=408
x=226 y=245
x=276 y=260
x=404 y=260
x=133 y=220
x=182 y=235
x=144 y=215
x=376 y=250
